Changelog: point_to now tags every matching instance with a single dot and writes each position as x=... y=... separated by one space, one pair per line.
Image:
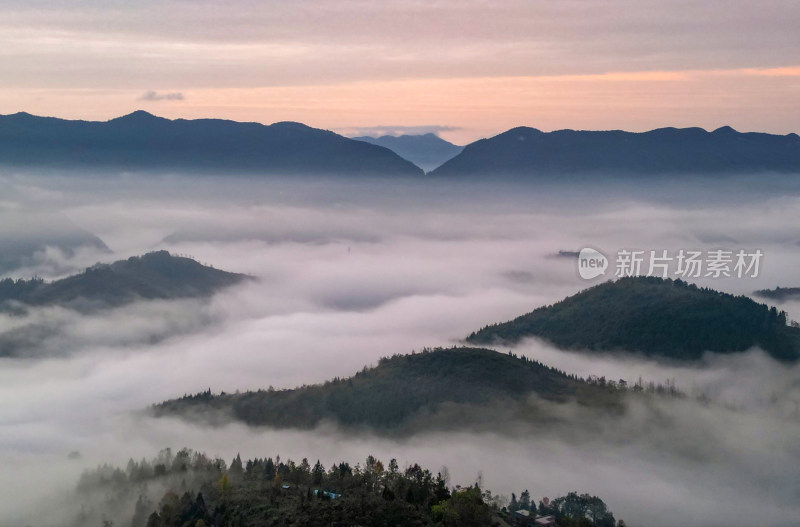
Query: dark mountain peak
x=292 y=125
x=139 y=116
x=139 y=120
x=725 y=130
x=155 y=259
x=654 y=316
x=156 y=255
x=524 y=131
x=23 y=118
x=671 y=131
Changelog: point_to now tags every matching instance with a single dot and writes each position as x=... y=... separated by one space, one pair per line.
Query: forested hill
x=654 y=316
x=398 y=391
x=156 y=275
x=144 y=142
x=527 y=151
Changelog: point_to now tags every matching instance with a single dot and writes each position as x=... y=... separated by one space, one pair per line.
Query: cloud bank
x=353 y=271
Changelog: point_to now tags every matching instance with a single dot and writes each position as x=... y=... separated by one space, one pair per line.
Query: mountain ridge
x=526 y=151
x=427 y=151
x=779 y=294
x=141 y=141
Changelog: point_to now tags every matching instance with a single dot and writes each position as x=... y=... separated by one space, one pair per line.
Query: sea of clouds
x=350 y=271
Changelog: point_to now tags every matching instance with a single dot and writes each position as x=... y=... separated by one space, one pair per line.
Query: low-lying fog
x=355 y=270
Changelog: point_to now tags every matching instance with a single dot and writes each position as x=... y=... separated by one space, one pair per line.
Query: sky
x=465 y=69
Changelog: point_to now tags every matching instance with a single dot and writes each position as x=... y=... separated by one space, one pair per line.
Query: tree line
x=191 y=489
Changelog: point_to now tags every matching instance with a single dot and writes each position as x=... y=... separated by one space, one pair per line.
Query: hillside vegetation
x=442 y=387
x=191 y=489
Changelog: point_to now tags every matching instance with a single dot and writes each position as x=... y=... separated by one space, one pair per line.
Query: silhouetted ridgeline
x=654 y=316
x=156 y=275
x=440 y=388
x=190 y=489
x=25 y=237
x=780 y=294
x=526 y=151
x=141 y=141
x=427 y=151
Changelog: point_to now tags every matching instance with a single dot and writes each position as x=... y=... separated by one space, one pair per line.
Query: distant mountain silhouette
x=779 y=294
x=156 y=275
x=141 y=142
x=26 y=235
x=427 y=151
x=657 y=317
x=529 y=152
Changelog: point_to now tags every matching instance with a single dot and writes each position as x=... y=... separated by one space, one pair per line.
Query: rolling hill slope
x=156 y=275
x=443 y=387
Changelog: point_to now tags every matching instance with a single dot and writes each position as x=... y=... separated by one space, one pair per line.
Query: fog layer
x=349 y=272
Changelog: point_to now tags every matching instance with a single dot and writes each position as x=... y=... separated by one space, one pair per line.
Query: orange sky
x=466 y=69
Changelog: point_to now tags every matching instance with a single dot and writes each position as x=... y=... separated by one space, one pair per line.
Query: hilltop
x=155 y=275
x=441 y=387
x=193 y=489
x=654 y=316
